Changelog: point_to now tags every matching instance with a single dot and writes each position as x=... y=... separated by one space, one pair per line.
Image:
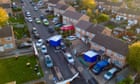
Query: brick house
x=110 y=5
x=113 y=6
x=7 y=40
x=6 y=4
x=73 y=17
x=52 y=3
x=112 y=47
x=85 y=29
x=59 y=9
x=129 y=13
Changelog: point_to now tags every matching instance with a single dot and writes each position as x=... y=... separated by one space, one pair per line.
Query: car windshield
x=96 y=68
x=44 y=48
x=69 y=57
x=48 y=61
x=109 y=74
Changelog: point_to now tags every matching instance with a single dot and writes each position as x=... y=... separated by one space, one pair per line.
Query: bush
x=16 y=9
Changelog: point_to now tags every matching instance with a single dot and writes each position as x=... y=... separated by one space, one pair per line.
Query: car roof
x=112 y=70
x=47 y=56
x=68 y=54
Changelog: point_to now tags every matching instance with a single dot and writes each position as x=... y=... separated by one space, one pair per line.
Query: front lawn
x=19 y=26
x=12 y=69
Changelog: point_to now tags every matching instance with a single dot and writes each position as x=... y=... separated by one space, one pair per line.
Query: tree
x=102 y=18
x=133 y=58
x=88 y=4
x=3 y=16
x=127 y=80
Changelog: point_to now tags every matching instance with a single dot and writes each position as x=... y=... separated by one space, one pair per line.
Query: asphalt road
x=58 y=58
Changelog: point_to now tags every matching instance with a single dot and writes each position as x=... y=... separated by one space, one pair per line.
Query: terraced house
x=112 y=47
x=73 y=17
x=7 y=40
x=6 y=4
x=86 y=30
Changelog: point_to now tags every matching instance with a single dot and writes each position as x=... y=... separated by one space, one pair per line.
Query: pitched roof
x=129 y=11
x=72 y=14
x=61 y=6
x=53 y=1
x=95 y=29
x=83 y=25
x=111 y=43
x=5 y=32
x=5 y=5
x=113 y=3
x=100 y=0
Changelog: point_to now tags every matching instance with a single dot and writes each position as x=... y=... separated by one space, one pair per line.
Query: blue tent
x=55 y=40
x=90 y=56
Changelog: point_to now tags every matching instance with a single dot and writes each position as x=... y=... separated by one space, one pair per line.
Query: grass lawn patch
x=19 y=32
x=12 y=69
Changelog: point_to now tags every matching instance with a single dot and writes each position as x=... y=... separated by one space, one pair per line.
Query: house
x=113 y=6
x=112 y=47
x=73 y=17
x=52 y=3
x=109 y=5
x=81 y=28
x=86 y=30
x=130 y=14
x=6 y=4
x=60 y=8
x=7 y=40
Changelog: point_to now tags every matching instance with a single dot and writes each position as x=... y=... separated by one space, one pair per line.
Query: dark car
x=92 y=81
x=36 y=35
x=51 y=29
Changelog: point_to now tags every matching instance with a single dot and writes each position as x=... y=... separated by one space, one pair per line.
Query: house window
x=8 y=46
x=8 y=38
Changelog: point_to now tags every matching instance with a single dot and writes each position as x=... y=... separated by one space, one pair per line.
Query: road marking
x=50 y=76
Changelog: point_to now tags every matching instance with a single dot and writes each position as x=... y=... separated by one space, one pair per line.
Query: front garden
x=16 y=69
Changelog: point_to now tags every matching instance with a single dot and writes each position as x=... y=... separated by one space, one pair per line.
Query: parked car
x=25 y=45
x=39 y=42
x=58 y=25
x=42 y=17
x=27 y=14
x=45 y=22
x=29 y=19
x=48 y=61
x=69 y=58
x=109 y=74
x=100 y=66
x=34 y=30
x=36 y=35
x=43 y=49
x=63 y=46
x=35 y=8
x=71 y=38
x=37 y=20
x=51 y=29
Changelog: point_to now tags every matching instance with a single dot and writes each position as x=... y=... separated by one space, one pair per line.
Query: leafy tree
x=133 y=58
x=3 y=16
x=127 y=80
x=102 y=18
x=88 y=4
